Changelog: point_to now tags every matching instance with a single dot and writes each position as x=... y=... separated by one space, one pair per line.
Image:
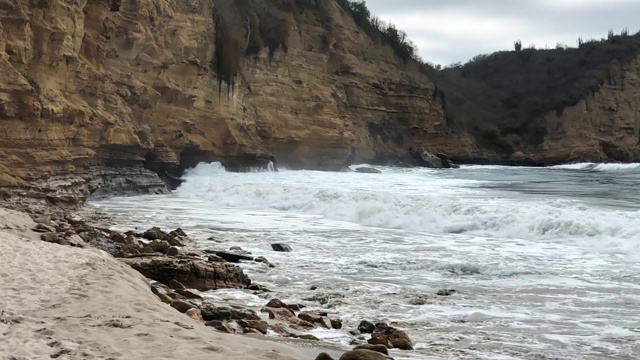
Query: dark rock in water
x=366 y=327
x=312 y=288
x=178 y=232
x=428 y=159
x=233 y=258
x=336 y=324
x=392 y=337
x=281 y=247
x=173 y=251
x=378 y=338
x=446 y=162
x=446 y=292
x=276 y=304
x=264 y=260
x=155 y=234
x=377 y=348
x=368 y=170
x=256 y=287
x=191 y=272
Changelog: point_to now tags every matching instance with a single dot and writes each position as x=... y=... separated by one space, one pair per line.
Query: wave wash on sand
x=72 y=303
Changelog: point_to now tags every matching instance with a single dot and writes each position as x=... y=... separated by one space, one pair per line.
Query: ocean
x=545 y=261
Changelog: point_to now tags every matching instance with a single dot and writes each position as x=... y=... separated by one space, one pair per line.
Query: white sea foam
x=539 y=276
x=613 y=167
x=423 y=203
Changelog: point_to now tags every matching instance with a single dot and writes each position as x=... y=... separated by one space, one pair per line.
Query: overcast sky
x=449 y=31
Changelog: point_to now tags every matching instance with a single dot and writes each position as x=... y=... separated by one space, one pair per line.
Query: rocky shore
x=181 y=275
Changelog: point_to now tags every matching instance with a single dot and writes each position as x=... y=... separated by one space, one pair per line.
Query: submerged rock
x=366 y=327
x=368 y=170
x=446 y=292
x=428 y=159
x=281 y=247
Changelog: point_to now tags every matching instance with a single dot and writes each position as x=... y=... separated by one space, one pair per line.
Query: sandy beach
x=71 y=303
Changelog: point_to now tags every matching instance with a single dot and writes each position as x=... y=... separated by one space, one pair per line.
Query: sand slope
x=67 y=303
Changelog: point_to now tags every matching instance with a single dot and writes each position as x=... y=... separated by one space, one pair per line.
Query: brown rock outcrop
x=95 y=101
x=192 y=272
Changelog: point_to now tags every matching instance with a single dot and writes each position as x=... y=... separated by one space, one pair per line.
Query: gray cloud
x=456 y=30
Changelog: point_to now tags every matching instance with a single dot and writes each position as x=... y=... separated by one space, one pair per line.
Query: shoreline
x=286 y=333
x=68 y=302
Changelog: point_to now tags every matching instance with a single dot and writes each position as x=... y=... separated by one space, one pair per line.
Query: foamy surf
x=550 y=273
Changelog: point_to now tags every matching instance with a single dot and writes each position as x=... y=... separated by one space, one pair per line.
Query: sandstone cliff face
x=93 y=100
x=603 y=127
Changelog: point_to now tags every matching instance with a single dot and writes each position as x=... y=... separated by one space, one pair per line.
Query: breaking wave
x=424 y=208
x=600 y=167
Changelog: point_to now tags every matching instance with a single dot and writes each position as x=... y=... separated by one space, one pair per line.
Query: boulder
x=363 y=354
x=446 y=292
x=394 y=337
x=165 y=298
x=233 y=258
x=43 y=228
x=315 y=318
x=75 y=240
x=379 y=338
x=118 y=237
x=193 y=273
x=155 y=234
x=366 y=327
x=264 y=260
x=181 y=305
x=176 y=285
x=178 y=232
x=173 y=251
x=276 y=304
x=286 y=315
x=368 y=170
x=281 y=247
x=446 y=162
x=194 y=313
x=336 y=324
x=400 y=340
x=324 y=356
x=259 y=325
x=224 y=313
x=378 y=348
x=239 y=250
x=219 y=325
x=51 y=238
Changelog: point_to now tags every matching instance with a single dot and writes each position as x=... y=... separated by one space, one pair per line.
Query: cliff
x=93 y=99
x=104 y=96
x=549 y=106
